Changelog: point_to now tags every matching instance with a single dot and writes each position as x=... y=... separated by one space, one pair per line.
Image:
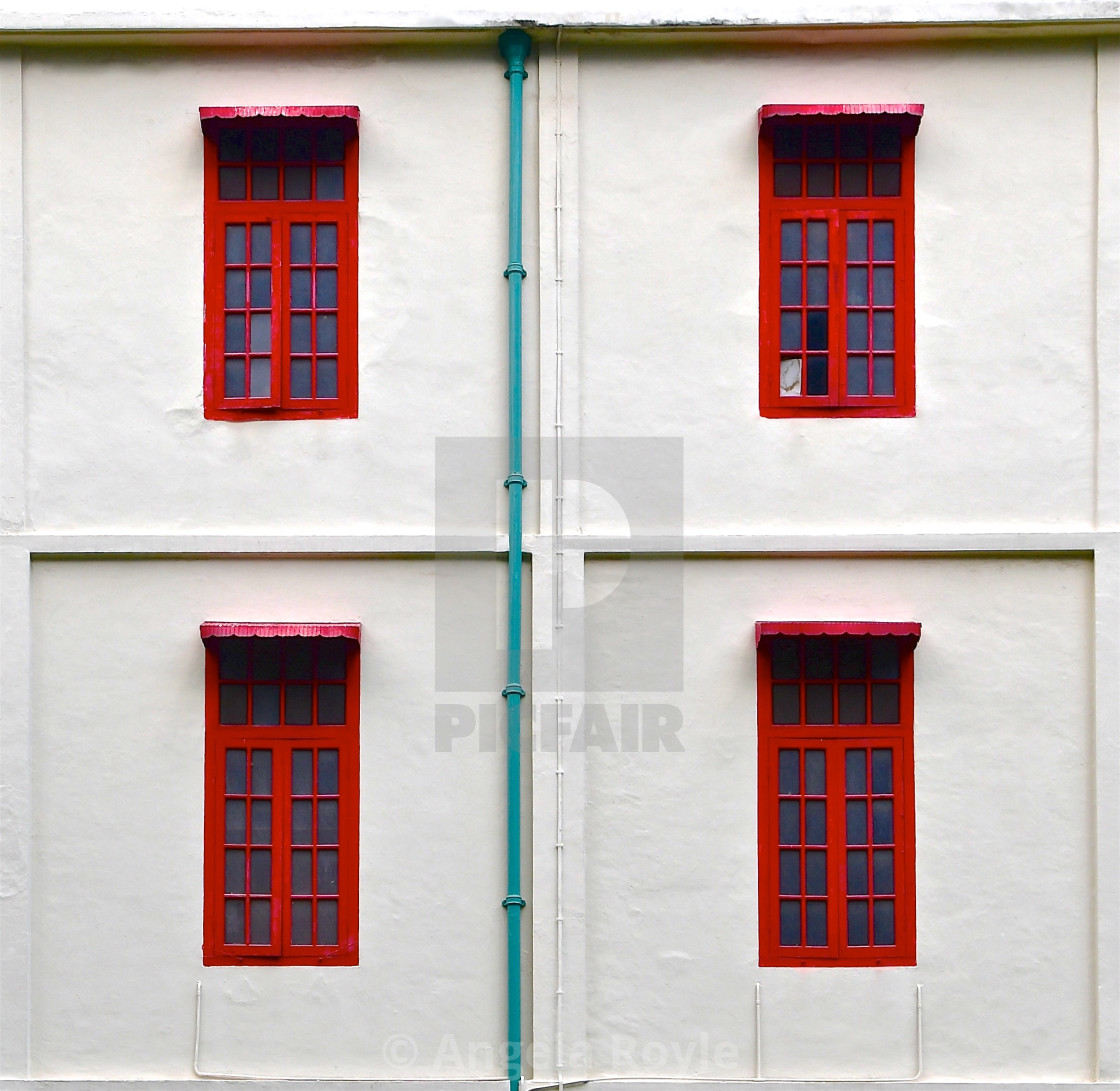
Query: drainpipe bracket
x=516 y=479
x=513 y=687
x=513 y=899
x=515 y=267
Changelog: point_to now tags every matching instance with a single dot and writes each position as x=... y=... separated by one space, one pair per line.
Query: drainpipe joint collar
x=516 y=479
x=512 y=688
x=513 y=899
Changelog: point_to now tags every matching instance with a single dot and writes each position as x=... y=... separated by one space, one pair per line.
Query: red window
x=836 y=794
x=281 y=262
x=836 y=278
x=281 y=867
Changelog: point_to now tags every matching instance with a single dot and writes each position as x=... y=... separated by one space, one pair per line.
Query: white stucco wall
x=1004 y=835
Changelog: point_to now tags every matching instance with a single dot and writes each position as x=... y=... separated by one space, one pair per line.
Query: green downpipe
x=514 y=45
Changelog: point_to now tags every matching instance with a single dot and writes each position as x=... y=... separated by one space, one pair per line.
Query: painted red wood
x=910 y=113
x=829 y=384
x=350 y=630
x=842 y=895
x=281 y=214
x=910 y=629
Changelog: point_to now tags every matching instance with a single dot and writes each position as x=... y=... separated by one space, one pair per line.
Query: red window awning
x=348 y=630
x=910 y=113
x=214 y=116
x=911 y=630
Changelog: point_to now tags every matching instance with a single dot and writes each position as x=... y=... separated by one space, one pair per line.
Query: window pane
x=297 y=145
x=790 y=924
x=301 y=287
x=789 y=822
x=260 y=871
x=886 y=179
x=857 y=822
x=883 y=377
x=260 y=334
x=817 y=239
x=235 y=772
x=301 y=244
x=235 y=822
x=231 y=183
x=789 y=868
x=301 y=871
x=260 y=243
x=883 y=283
x=881 y=775
x=327 y=880
x=884 y=703
x=791 y=330
x=235 y=287
x=855 y=772
x=326 y=244
x=326 y=378
x=267 y=659
x=783 y=658
x=297 y=704
x=814 y=773
x=231 y=146
x=857 y=872
x=233 y=705
x=326 y=331
x=882 y=821
x=235 y=920
x=816 y=924
x=820 y=179
x=265 y=144
x=297 y=183
x=884 y=923
x=260 y=294
x=260 y=921
x=262 y=772
x=302 y=784
x=816 y=375
x=884 y=871
x=266 y=705
x=299 y=658
x=853 y=180
x=235 y=333
x=300 y=377
x=857 y=924
x=789 y=772
x=301 y=922
x=235 y=871
x=235 y=244
x=883 y=334
x=884 y=240
x=260 y=377
x=329 y=144
x=853 y=704
x=301 y=333
x=820 y=141
x=789 y=376
x=266 y=183
x=788 y=140
x=262 y=822
x=787 y=179
x=327 y=931
x=884 y=657
x=818 y=657
x=329 y=183
x=853 y=140
x=332 y=704
x=791 y=241
x=816 y=330
x=857 y=375
x=852 y=657
x=816 y=872
x=327 y=833
x=331 y=665
x=328 y=772
x=786 y=704
x=818 y=285
x=301 y=822
x=857 y=286
x=886 y=141
x=791 y=286
x=857 y=241
x=857 y=330
x=235 y=377
x=818 y=704
x=815 y=832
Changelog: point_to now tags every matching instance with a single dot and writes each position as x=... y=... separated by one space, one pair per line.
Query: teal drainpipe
x=514 y=46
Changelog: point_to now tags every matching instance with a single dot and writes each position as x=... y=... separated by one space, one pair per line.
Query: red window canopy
x=908 y=630
x=909 y=113
x=348 y=630
x=213 y=117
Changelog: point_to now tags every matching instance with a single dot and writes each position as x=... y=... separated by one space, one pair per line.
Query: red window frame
x=281 y=807
x=874 y=377
x=836 y=794
x=296 y=356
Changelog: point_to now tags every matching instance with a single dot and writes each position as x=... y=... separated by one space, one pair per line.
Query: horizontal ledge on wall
x=614 y=1083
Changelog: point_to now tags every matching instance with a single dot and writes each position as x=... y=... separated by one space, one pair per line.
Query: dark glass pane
x=857 y=924
x=262 y=772
x=884 y=923
x=814 y=772
x=818 y=704
x=817 y=240
x=301 y=871
x=857 y=286
x=266 y=705
x=235 y=244
x=816 y=331
x=235 y=822
x=235 y=772
x=260 y=871
x=301 y=921
x=883 y=240
x=260 y=332
x=262 y=822
x=332 y=704
x=883 y=332
x=326 y=288
x=298 y=661
x=297 y=183
x=884 y=703
x=815 y=832
x=789 y=868
x=883 y=283
x=853 y=180
x=297 y=704
x=820 y=179
x=327 y=930
x=882 y=821
x=886 y=179
x=884 y=657
x=326 y=378
x=857 y=330
x=326 y=331
x=260 y=292
x=857 y=872
x=816 y=924
x=818 y=657
x=235 y=920
x=790 y=331
x=260 y=921
x=883 y=377
x=886 y=141
x=301 y=822
x=260 y=244
x=816 y=872
x=235 y=871
x=816 y=375
x=857 y=375
x=857 y=240
x=300 y=377
x=853 y=140
x=301 y=288
x=818 y=285
x=852 y=657
x=328 y=772
x=855 y=772
x=790 y=928
x=327 y=833
x=788 y=140
x=265 y=144
x=260 y=377
x=301 y=244
x=856 y=822
x=233 y=704
x=235 y=377
x=787 y=179
x=235 y=288
x=266 y=183
x=789 y=772
x=821 y=141
x=853 y=704
x=783 y=658
x=297 y=145
x=330 y=144
x=791 y=241
x=235 y=333
x=884 y=871
x=791 y=286
x=301 y=333
x=231 y=183
x=326 y=244
x=789 y=822
x=786 y=704
x=328 y=872
x=881 y=773
x=302 y=772
x=231 y=146
x=328 y=183
x=332 y=660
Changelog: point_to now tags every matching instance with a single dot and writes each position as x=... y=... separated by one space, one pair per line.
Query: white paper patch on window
x=790 y=376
